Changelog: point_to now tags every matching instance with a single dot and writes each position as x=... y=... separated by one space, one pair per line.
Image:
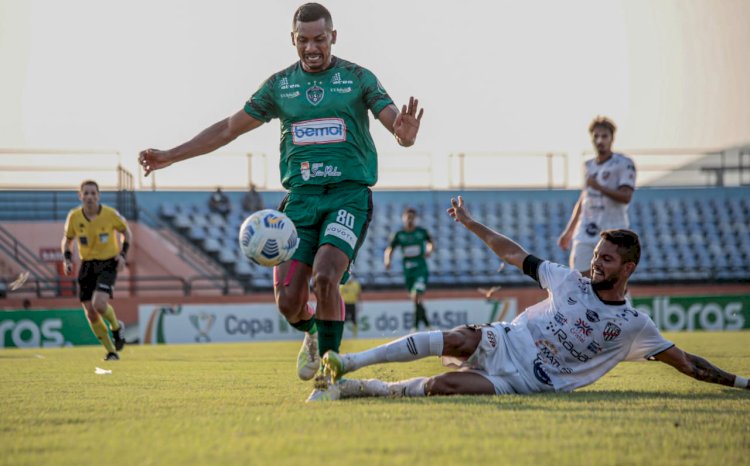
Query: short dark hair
x=627 y=242
x=410 y=210
x=310 y=12
x=91 y=182
x=602 y=122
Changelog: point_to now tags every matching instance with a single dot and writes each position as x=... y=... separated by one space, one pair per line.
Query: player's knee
x=453 y=341
x=461 y=342
x=91 y=314
x=290 y=304
x=325 y=282
x=439 y=385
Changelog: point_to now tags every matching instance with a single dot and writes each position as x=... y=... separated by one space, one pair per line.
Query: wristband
x=68 y=256
x=125 y=247
x=740 y=382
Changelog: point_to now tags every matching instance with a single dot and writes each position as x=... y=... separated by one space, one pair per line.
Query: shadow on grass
x=551 y=401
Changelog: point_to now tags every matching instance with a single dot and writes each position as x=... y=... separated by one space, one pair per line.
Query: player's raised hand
x=564 y=240
x=406 y=126
x=458 y=211
x=153 y=159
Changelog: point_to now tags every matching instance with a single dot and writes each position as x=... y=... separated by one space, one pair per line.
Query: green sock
x=305 y=326
x=329 y=335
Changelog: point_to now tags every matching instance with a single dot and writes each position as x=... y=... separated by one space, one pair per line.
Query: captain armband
x=68 y=256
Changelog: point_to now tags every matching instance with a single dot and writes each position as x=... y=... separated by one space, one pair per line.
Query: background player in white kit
x=571 y=339
x=603 y=204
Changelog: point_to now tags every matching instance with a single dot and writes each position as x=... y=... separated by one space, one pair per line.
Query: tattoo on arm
x=701 y=369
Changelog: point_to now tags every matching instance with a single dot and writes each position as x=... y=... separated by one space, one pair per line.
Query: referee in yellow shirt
x=94 y=226
x=351 y=293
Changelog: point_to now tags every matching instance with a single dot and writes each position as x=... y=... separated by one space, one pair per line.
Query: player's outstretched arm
x=405 y=124
x=567 y=236
x=504 y=247
x=699 y=369
x=217 y=135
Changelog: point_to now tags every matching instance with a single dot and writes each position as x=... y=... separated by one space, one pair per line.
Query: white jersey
x=573 y=338
x=599 y=212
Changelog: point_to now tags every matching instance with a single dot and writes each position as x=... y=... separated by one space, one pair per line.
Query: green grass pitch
x=242 y=404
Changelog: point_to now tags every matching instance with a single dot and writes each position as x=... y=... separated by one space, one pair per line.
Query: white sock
x=411 y=387
x=375 y=387
x=409 y=348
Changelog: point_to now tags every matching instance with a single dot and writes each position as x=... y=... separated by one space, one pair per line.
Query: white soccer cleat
x=324 y=390
x=308 y=359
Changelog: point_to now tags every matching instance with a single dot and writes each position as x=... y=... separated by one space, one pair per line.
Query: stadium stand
x=687 y=235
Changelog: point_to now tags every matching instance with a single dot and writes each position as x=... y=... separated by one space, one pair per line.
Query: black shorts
x=351 y=313
x=96 y=275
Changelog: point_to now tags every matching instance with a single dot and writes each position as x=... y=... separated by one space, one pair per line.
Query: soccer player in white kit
x=603 y=204
x=581 y=331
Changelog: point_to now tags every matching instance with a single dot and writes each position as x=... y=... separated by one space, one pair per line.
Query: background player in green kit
x=328 y=162
x=416 y=245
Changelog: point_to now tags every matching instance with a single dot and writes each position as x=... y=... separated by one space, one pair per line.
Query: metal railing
x=545 y=170
x=141 y=285
x=23 y=256
x=64 y=169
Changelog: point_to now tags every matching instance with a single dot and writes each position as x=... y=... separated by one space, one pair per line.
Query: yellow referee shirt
x=350 y=291
x=96 y=238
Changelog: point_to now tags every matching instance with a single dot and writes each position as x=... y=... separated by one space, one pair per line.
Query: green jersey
x=325 y=129
x=413 y=246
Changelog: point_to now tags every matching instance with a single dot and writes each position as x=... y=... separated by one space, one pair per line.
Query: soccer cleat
x=117 y=336
x=334 y=365
x=324 y=390
x=112 y=357
x=308 y=359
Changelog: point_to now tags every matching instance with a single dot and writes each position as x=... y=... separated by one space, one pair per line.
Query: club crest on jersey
x=611 y=331
x=304 y=170
x=492 y=339
x=315 y=94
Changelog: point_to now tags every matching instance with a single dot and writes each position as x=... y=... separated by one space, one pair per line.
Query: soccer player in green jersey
x=328 y=162
x=416 y=245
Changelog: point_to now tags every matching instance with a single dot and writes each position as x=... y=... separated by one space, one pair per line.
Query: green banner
x=674 y=313
x=48 y=329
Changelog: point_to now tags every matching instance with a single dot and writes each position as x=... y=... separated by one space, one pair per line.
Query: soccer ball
x=268 y=237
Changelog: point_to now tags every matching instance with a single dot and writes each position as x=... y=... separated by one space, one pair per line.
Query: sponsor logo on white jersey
x=318 y=131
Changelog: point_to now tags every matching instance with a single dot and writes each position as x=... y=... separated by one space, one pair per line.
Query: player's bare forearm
x=504 y=247
x=698 y=368
x=701 y=369
x=208 y=140
x=217 y=135
x=623 y=195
